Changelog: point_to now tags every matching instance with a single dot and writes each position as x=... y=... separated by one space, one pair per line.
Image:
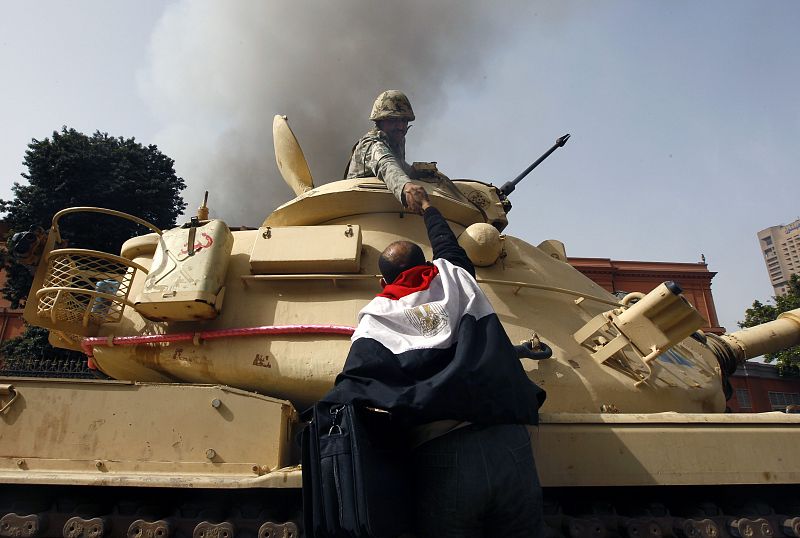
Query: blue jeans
x=478 y=481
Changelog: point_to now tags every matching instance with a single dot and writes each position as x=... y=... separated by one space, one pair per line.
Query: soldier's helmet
x=392 y=104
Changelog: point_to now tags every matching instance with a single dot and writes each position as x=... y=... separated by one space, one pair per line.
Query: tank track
x=97 y=512
x=680 y=512
x=655 y=512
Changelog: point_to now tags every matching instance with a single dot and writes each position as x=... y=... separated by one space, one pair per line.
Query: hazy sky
x=684 y=115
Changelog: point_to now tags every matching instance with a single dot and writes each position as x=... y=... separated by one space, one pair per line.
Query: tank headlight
x=651 y=325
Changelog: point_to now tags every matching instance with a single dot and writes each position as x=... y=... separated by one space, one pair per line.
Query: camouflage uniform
x=374 y=156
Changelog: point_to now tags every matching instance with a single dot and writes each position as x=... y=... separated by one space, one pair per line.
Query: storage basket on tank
x=83 y=289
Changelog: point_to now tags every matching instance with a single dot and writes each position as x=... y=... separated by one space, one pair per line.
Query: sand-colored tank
x=214 y=337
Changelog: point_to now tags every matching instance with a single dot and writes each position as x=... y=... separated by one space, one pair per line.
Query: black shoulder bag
x=356 y=479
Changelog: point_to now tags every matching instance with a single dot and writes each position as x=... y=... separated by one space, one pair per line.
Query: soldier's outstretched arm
x=395 y=178
x=382 y=162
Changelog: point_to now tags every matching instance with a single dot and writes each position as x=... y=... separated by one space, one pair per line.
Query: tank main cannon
x=769 y=337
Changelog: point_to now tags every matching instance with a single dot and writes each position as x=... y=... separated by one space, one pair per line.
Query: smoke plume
x=219 y=71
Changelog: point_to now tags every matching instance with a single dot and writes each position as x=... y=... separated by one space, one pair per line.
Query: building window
x=779 y=400
x=743 y=397
x=767 y=240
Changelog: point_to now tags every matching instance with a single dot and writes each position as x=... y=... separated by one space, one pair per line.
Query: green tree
x=788 y=360
x=72 y=169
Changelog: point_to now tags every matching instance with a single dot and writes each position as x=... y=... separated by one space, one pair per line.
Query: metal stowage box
x=302 y=249
x=188 y=272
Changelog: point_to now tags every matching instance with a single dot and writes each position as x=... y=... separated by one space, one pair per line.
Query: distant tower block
x=780 y=246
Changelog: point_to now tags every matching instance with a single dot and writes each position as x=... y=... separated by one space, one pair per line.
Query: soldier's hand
x=416 y=197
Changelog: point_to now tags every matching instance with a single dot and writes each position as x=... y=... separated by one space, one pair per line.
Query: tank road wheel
x=278 y=530
x=697 y=528
x=13 y=525
x=206 y=529
x=751 y=528
x=791 y=527
x=586 y=528
x=149 y=529
x=643 y=528
x=77 y=527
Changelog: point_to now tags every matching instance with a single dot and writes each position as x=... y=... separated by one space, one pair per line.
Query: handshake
x=416 y=198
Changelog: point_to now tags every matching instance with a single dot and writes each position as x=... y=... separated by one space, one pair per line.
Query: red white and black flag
x=430 y=347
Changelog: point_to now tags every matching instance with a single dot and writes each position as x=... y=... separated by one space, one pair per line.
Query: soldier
x=381 y=152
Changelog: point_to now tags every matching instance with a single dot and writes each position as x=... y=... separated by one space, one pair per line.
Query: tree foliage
x=73 y=169
x=788 y=360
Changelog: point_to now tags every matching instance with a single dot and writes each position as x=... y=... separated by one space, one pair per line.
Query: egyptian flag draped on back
x=430 y=347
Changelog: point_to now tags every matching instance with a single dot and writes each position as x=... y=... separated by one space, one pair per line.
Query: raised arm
x=443 y=240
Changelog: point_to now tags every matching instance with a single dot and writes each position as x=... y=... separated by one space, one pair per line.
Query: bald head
x=398 y=257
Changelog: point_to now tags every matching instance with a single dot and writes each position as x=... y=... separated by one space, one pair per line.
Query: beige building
x=780 y=246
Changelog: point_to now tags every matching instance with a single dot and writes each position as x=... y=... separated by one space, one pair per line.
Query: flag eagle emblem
x=429 y=319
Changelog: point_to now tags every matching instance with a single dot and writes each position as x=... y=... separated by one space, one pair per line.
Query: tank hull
x=189 y=435
x=124 y=458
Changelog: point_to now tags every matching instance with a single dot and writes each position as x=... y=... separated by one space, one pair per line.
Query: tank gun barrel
x=509 y=187
x=769 y=337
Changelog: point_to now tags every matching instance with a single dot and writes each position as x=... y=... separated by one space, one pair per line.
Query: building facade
x=758 y=388
x=780 y=246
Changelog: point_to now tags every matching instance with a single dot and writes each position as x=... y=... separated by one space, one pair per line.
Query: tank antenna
x=509 y=187
x=202 y=211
